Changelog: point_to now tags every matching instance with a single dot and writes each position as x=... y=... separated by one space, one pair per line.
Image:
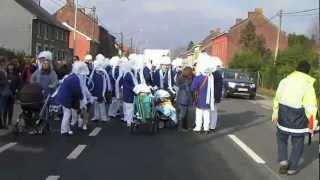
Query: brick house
x=87 y=30
x=226 y=44
x=27 y=27
x=107 y=45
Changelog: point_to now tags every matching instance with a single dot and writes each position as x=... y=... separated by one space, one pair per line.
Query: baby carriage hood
x=142 y=88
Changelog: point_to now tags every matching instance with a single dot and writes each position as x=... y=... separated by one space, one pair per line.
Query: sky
x=169 y=24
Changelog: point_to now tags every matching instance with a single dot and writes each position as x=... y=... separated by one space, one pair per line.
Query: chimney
x=215 y=30
x=238 y=20
x=70 y=2
x=256 y=12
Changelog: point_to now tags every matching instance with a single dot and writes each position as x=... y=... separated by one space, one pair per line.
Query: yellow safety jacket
x=295 y=104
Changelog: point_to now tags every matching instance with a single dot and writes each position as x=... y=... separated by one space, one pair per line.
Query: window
x=65 y=36
x=61 y=35
x=41 y=30
x=57 y=34
x=38 y=48
x=45 y=27
x=38 y=29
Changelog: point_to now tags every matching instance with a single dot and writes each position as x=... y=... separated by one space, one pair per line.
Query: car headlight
x=252 y=85
x=232 y=84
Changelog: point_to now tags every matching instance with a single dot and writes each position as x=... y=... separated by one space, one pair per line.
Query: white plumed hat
x=46 y=55
x=79 y=67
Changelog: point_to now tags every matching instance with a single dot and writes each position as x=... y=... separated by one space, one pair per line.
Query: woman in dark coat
x=5 y=94
x=14 y=85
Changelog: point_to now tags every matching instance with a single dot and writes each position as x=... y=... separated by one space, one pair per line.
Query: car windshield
x=236 y=75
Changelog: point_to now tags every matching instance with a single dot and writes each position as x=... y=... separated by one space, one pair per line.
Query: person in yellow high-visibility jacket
x=295 y=113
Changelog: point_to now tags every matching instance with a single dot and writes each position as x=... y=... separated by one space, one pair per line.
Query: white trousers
x=214 y=117
x=100 y=112
x=128 y=111
x=114 y=107
x=202 y=118
x=76 y=118
x=65 y=124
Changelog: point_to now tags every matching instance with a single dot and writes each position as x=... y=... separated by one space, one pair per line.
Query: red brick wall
x=82 y=45
x=263 y=27
x=220 y=48
x=84 y=23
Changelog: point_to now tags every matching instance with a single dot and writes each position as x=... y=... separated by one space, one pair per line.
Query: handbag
x=108 y=96
x=196 y=93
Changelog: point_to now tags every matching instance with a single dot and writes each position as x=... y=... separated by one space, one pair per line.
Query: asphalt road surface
x=243 y=148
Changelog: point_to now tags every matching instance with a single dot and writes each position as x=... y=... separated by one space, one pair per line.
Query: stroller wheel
x=132 y=128
x=20 y=125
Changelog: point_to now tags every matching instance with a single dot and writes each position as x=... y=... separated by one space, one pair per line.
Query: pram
x=35 y=110
x=165 y=112
x=144 y=114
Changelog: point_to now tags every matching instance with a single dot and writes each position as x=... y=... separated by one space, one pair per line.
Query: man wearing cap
x=163 y=77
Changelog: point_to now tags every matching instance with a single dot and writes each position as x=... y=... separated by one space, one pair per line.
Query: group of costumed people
x=106 y=88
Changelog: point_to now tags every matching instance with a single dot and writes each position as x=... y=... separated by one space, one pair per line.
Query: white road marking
x=247 y=149
x=76 y=152
x=52 y=177
x=7 y=146
x=95 y=132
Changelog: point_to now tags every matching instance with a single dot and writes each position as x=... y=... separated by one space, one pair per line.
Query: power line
x=302 y=11
x=295 y=15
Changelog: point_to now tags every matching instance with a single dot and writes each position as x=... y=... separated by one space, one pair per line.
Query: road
x=243 y=148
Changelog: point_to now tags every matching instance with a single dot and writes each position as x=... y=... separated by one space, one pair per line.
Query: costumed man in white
x=71 y=92
x=128 y=83
x=163 y=78
x=114 y=75
x=101 y=85
x=203 y=86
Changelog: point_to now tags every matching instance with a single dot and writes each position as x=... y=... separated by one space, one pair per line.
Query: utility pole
x=93 y=20
x=75 y=26
x=131 y=44
x=278 y=38
x=121 y=45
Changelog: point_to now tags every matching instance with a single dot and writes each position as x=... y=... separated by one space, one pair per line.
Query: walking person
x=295 y=113
x=101 y=86
x=14 y=83
x=115 y=78
x=184 y=97
x=5 y=95
x=218 y=86
x=45 y=74
x=70 y=94
x=203 y=88
x=129 y=83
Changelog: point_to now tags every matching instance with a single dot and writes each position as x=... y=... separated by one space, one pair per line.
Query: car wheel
x=252 y=96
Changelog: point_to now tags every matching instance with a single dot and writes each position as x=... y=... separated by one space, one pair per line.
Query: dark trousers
x=297 y=143
x=184 y=117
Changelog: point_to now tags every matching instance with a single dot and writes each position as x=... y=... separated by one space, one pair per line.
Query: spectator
x=5 y=94
x=27 y=71
x=184 y=96
x=14 y=84
x=45 y=75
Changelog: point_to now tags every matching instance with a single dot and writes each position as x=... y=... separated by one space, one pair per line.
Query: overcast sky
x=173 y=23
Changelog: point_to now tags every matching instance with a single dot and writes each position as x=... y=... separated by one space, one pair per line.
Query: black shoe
x=283 y=169
x=206 y=133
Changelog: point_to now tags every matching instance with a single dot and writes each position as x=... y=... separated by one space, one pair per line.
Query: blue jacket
x=147 y=76
x=97 y=90
x=69 y=91
x=156 y=79
x=184 y=94
x=202 y=93
x=128 y=85
x=218 y=85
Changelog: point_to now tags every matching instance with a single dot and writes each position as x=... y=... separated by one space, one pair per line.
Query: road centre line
x=53 y=178
x=95 y=132
x=7 y=146
x=76 y=152
x=247 y=149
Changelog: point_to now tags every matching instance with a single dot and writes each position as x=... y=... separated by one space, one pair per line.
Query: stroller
x=35 y=110
x=165 y=113
x=144 y=110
